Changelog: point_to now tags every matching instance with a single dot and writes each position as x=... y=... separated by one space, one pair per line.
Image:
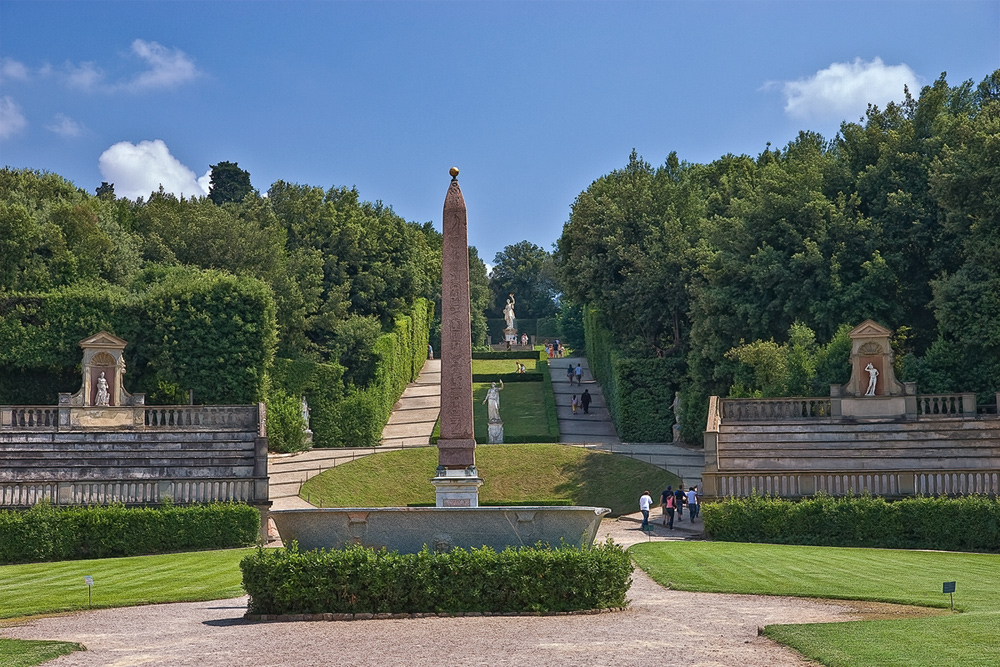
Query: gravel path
x=661 y=627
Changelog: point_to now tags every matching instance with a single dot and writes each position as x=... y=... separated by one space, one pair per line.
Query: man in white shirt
x=645 y=502
x=692 y=502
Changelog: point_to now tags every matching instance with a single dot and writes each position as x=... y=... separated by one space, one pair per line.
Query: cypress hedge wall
x=186 y=329
x=638 y=392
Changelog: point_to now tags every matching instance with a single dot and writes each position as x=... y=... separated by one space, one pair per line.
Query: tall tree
x=526 y=270
x=229 y=183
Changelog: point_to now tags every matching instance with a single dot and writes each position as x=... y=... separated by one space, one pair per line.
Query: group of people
x=671 y=502
x=520 y=368
x=555 y=349
x=574 y=374
x=583 y=401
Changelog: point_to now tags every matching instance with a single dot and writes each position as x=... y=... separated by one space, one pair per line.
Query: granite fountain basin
x=408 y=529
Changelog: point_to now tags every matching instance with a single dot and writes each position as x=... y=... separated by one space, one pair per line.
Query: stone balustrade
x=946 y=404
x=886 y=483
x=768 y=409
x=139 y=417
x=126 y=492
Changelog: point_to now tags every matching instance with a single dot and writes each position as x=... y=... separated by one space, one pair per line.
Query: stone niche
x=106 y=403
x=873 y=390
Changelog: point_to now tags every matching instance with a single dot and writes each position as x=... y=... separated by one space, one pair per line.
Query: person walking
x=585 y=400
x=692 y=501
x=645 y=502
x=679 y=502
x=575 y=403
x=667 y=506
x=579 y=374
x=569 y=374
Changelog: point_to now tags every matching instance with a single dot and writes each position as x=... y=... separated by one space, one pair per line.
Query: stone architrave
x=871 y=351
x=457 y=481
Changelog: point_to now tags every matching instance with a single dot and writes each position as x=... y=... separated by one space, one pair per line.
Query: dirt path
x=661 y=627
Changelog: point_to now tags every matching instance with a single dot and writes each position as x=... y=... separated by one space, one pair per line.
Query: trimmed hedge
x=353 y=416
x=639 y=392
x=967 y=523
x=507 y=377
x=186 y=329
x=360 y=580
x=47 y=533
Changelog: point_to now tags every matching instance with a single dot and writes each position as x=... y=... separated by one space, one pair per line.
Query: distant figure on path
x=574 y=403
x=579 y=374
x=492 y=401
x=872 y=379
x=667 y=506
x=644 y=504
x=585 y=400
x=524 y=340
x=692 y=500
x=679 y=502
x=569 y=374
x=430 y=351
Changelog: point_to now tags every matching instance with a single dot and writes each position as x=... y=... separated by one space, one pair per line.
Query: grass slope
x=502 y=366
x=43 y=588
x=522 y=408
x=512 y=474
x=27 y=653
x=907 y=577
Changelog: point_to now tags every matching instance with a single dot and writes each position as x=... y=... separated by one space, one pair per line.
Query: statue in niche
x=103 y=397
x=492 y=402
x=508 y=313
x=872 y=379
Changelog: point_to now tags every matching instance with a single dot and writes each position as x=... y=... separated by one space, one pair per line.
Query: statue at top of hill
x=508 y=313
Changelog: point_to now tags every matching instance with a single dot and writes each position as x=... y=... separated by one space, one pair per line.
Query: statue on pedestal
x=103 y=397
x=492 y=402
x=872 y=379
x=508 y=314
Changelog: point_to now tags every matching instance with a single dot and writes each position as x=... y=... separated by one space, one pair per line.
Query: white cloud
x=11 y=119
x=168 y=68
x=13 y=69
x=844 y=90
x=140 y=169
x=84 y=76
x=65 y=126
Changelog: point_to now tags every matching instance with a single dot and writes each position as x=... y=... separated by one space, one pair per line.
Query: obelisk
x=457 y=481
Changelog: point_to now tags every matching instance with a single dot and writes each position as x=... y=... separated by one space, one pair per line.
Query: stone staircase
x=594 y=427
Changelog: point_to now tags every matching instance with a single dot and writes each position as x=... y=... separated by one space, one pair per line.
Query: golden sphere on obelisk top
x=454 y=172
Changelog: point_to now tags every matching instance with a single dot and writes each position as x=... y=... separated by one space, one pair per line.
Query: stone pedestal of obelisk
x=457 y=481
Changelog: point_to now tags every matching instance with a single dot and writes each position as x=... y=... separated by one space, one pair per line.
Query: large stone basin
x=408 y=529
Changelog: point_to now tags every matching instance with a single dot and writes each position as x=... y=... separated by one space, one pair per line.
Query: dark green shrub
x=47 y=533
x=358 y=580
x=285 y=426
x=967 y=523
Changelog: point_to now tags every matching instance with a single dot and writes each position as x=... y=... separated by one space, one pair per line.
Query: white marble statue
x=508 y=313
x=676 y=406
x=872 y=379
x=492 y=401
x=305 y=412
x=103 y=397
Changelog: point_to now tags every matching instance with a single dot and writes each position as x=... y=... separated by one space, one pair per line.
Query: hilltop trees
x=754 y=263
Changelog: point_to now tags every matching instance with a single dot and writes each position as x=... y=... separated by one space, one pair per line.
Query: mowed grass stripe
x=512 y=474
x=39 y=588
x=966 y=639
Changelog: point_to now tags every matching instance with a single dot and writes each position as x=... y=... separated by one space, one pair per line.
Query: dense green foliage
x=45 y=533
x=236 y=296
x=969 y=523
x=359 y=580
x=895 y=219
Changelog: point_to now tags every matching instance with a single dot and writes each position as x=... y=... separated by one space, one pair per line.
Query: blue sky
x=531 y=100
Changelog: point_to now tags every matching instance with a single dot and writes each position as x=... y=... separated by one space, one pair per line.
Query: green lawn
x=502 y=366
x=27 y=653
x=512 y=474
x=522 y=408
x=969 y=638
x=42 y=588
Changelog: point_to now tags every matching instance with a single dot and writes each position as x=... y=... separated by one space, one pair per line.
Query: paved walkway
x=660 y=627
x=594 y=427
